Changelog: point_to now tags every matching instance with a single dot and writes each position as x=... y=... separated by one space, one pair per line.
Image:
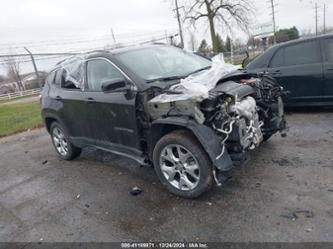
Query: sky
x=78 y=25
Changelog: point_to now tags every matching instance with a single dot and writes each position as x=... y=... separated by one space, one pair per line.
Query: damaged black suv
x=192 y=118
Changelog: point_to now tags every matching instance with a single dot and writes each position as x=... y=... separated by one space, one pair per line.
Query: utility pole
x=179 y=25
x=34 y=65
x=113 y=37
x=316 y=16
x=324 y=28
x=273 y=17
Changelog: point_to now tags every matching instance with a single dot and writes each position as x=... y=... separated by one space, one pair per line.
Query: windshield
x=158 y=63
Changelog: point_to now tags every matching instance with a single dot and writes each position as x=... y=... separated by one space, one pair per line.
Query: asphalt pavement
x=284 y=193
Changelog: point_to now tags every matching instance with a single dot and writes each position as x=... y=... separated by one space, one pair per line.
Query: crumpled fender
x=206 y=136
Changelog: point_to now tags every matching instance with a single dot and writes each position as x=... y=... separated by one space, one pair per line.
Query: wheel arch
x=207 y=138
x=49 y=119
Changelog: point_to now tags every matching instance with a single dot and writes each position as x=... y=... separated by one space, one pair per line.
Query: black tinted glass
x=329 y=49
x=277 y=60
x=302 y=53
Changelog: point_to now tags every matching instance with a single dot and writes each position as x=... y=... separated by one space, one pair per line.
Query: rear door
x=328 y=68
x=112 y=115
x=69 y=102
x=298 y=68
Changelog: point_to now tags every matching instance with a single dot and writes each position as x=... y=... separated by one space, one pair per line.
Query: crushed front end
x=229 y=116
x=244 y=113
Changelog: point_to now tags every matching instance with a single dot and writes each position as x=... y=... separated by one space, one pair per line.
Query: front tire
x=182 y=165
x=60 y=139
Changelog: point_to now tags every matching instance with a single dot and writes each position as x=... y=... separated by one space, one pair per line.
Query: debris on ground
x=77 y=196
x=209 y=203
x=298 y=214
x=87 y=205
x=290 y=216
x=45 y=162
x=136 y=191
x=308 y=230
x=305 y=213
x=330 y=190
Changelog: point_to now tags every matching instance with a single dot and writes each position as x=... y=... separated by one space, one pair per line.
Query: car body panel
x=308 y=83
x=119 y=121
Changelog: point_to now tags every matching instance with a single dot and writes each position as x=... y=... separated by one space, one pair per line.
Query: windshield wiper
x=199 y=70
x=166 y=78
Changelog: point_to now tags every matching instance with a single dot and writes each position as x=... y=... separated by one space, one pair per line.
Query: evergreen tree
x=220 y=44
x=228 y=44
x=203 y=48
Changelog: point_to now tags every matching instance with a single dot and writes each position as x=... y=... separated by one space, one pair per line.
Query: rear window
x=302 y=53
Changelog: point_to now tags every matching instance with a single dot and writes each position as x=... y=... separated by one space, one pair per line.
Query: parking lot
x=284 y=193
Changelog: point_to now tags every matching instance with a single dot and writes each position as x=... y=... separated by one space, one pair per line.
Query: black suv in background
x=303 y=67
x=161 y=105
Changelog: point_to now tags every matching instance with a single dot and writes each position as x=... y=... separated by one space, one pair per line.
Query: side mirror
x=114 y=85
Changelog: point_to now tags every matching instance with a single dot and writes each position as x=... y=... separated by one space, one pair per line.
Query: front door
x=298 y=68
x=111 y=115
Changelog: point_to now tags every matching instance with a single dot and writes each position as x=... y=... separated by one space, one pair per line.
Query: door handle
x=58 y=98
x=330 y=68
x=91 y=100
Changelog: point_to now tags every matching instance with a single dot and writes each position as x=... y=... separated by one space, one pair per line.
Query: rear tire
x=182 y=165
x=60 y=139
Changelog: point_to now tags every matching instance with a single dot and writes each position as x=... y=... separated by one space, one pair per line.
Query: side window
x=302 y=53
x=277 y=60
x=50 y=78
x=328 y=44
x=65 y=81
x=100 y=71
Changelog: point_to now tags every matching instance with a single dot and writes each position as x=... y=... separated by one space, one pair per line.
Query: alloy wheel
x=179 y=167
x=60 y=141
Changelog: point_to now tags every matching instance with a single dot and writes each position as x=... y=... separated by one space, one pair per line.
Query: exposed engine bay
x=244 y=113
x=243 y=110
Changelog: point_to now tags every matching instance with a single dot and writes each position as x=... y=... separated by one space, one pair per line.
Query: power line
x=75 y=41
x=5 y=58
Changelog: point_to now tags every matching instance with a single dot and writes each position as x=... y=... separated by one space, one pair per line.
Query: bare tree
x=225 y=12
x=13 y=71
